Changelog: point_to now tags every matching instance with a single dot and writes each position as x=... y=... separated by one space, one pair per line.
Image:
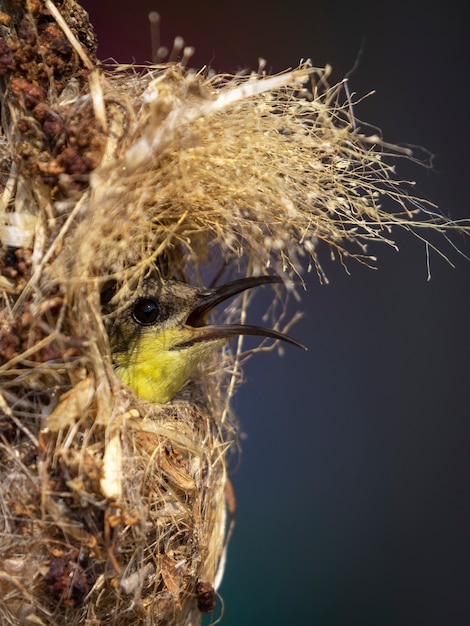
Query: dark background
x=353 y=487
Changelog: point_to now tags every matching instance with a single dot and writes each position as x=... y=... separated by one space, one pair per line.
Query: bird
x=159 y=338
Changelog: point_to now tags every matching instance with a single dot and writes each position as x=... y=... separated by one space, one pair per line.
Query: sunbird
x=160 y=338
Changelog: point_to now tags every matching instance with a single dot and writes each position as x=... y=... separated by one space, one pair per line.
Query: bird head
x=158 y=340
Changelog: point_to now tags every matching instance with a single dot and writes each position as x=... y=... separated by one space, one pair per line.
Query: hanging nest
x=113 y=510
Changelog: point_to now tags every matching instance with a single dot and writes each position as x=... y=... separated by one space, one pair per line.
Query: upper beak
x=206 y=300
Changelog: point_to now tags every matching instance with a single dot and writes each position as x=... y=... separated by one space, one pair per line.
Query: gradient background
x=353 y=490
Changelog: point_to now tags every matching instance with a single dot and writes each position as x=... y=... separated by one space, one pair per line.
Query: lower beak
x=206 y=300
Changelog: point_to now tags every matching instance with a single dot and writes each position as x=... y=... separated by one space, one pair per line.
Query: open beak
x=207 y=299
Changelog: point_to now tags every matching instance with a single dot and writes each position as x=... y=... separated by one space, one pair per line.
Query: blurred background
x=352 y=491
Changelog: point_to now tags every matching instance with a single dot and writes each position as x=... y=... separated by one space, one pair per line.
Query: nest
x=114 y=510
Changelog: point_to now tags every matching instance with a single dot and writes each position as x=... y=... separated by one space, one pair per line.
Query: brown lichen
x=38 y=60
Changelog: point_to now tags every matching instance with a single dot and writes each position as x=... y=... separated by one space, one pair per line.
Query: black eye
x=146 y=311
